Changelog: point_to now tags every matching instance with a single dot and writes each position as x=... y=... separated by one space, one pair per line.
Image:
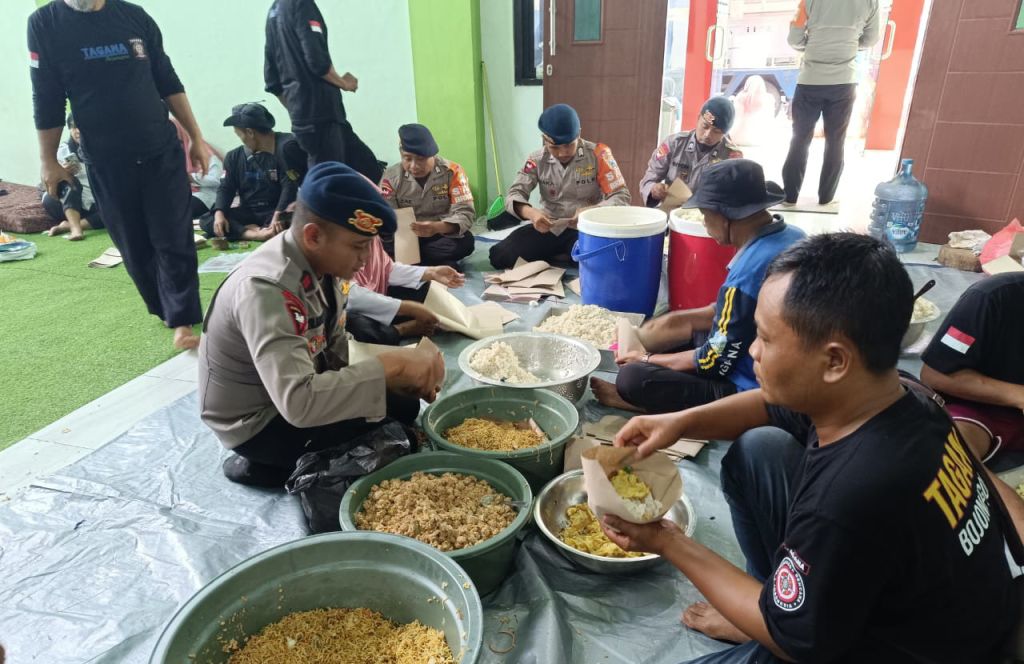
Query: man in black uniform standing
x=107 y=58
x=265 y=172
x=298 y=70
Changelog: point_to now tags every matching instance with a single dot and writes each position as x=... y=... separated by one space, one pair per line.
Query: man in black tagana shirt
x=870 y=532
x=107 y=58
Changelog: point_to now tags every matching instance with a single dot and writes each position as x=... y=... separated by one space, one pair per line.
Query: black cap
x=736 y=189
x=250 y=116
x=417 y=139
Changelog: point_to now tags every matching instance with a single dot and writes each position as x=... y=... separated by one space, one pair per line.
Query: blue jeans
x=758 y=475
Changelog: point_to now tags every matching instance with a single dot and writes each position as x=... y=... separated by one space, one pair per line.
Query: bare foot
x=608 y=395
x=60 y=228
x=707 y=620
x=184 y=339
x=76 y=235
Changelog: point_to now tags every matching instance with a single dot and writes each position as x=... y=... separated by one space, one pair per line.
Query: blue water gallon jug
x=899 y=208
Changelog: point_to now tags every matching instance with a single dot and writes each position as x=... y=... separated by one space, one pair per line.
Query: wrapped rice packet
x=656 y=471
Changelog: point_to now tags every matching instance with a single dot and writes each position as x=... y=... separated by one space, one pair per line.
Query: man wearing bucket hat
x=265 y=172
x=734 y=199
x=572 y=174
x=274 y=378
x=438 y=192
x=686 y=155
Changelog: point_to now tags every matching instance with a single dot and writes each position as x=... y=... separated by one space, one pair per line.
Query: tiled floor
x=95 y=424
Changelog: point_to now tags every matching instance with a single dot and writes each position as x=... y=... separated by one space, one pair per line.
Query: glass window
x=528 y=33
x=586 y=20
x=1020 y=17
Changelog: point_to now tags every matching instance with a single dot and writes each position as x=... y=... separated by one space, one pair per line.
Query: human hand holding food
x=650 y=433
x=659 y=191
x=417 y=372
x=445 y=275
x=653 y=537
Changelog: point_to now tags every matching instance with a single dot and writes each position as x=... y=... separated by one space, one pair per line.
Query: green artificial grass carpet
x=70 y=333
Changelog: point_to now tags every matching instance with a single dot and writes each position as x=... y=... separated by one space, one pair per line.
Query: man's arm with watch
x=683 y=361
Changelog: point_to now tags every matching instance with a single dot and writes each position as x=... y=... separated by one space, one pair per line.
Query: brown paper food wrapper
x=656 y=471
x=628 y=338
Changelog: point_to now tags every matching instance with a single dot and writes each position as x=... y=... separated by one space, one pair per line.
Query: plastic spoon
x=924 y=289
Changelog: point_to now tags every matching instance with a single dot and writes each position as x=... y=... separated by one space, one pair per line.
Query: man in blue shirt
x=734 y=199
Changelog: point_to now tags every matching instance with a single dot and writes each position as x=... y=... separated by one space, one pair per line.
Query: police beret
x=720 y=112
x=336 y=193
x=560 y=123
x=417 y=139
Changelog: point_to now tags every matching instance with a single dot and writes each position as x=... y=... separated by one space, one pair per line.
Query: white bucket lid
x=618 y=221
x=679 y=223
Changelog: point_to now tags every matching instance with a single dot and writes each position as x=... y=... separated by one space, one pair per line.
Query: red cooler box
x=696 y=263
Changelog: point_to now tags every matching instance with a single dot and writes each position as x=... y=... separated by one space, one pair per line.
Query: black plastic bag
x=322 y=478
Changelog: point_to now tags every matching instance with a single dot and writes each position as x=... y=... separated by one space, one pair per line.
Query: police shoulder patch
x=386 y=187
x=296 y=312
x=788 y=590
x=529 y=166
x=662 y=151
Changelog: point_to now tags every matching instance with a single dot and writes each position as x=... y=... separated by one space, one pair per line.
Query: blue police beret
x=560 y=123
x=417 y=139
x=338 y=194
x=721 y=112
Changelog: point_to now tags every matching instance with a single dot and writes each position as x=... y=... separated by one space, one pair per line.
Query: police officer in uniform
x=298 y=70
x=685 y=155
x=107 y=58
x=438 y=192
x=274 y=377
x=265 y=172
x=572 y=174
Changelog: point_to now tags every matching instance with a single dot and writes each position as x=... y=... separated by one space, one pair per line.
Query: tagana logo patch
x=367 y=223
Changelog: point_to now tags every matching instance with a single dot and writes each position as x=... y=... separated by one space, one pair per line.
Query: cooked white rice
x=643 y=510
x=499 y=362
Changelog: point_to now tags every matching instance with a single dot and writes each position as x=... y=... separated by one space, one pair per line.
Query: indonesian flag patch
x=33 y=60
x=316 y=26
x=958 y=340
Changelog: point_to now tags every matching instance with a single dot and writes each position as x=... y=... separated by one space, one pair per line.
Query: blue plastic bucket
x=620 y=251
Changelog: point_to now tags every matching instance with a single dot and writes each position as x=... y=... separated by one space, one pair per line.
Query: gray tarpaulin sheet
x=97 y=557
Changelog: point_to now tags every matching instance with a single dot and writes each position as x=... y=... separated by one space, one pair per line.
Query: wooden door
x=604 y=58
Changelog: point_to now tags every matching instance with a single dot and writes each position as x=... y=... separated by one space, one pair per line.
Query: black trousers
x=146 y=208
x=280 y=444
x=238 y=219
x=531 y=245
x=658 y=389
x=337 y=141
x=446 y=249
x=833 y=103
x=71 y=200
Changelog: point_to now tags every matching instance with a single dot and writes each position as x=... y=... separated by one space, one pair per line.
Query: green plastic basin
x=393 y=575
x=555 y=415
x=487 y=563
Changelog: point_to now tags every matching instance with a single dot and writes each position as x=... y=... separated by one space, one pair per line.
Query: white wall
x=217 y=48
x=516 y=108
x=19 y=151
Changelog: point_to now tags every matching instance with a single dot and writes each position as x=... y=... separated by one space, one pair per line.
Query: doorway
x=604 y=58
x=739 y=48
